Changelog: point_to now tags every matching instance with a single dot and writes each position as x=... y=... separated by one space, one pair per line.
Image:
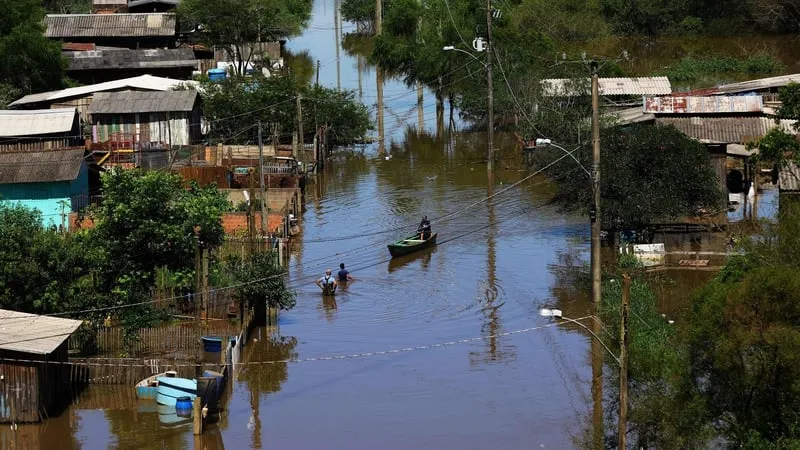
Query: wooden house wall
x=31 y=391
x=164 y=128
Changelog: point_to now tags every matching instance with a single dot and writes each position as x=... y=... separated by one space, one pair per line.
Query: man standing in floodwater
x=327 y=283
x=344 y=275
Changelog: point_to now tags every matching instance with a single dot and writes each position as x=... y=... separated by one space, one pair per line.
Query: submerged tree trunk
x=439 y=113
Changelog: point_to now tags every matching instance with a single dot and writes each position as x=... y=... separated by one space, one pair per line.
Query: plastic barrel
x=183 y=406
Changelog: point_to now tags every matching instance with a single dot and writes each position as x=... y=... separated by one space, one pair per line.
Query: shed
x=42 y=129
x=164 y=119
x=81 y=97
x=565 y=87
x=34 y=369
x=151 y=30
x=101 y=64
x=54 y=182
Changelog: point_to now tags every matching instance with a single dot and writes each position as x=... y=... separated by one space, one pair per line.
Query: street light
x=489 y=94
x=556 y=314
x=548 y=143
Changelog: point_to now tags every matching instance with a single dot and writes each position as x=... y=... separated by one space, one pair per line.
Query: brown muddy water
x=443 y=349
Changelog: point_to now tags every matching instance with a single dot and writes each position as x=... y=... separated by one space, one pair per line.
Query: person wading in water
x=327 y=283
x=344 y=275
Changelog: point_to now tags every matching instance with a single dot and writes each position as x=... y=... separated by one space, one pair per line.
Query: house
x=149 y=6
x=152 y=119
x=101 y=64
x=109 y=6
x=40 y=129
x=565 y=87
x=54 y=182
x=153 y=30
x=81 y=97
x=34 y=375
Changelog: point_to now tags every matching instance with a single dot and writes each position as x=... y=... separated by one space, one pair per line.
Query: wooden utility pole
x=301 y=136
x=261 y=180
x=594 y=214
x=490 y=87
x=316 y=83
x=251 y=223
x=379 y=74
x=205 y=284
x=198 y=296
x=623 y=362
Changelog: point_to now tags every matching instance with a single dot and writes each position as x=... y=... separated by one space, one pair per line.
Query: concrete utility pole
x=594 y=214
x=261 y=180
x=623 y=362
x=379 y=74
x=490 y=87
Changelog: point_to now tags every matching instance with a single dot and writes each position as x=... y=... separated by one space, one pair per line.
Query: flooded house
x=34 y=375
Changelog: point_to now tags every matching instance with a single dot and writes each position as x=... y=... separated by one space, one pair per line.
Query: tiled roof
x=124 y=58
x=36 y=122
x=608 y=86
x=110 y=25
x=40 y=167
x=31 y=333
x=143 y=82
x=724 y=130
x=130 y=102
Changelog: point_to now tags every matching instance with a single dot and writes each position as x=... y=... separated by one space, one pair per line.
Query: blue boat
x=148 y=388
x=172 y=388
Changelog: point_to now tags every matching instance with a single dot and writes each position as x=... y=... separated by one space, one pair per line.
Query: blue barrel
x=183 y=405
x=216 y=74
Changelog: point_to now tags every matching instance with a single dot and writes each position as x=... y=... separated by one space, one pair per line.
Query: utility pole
x=594 y=214
x=490 y=86
x=379 y=74
x=337 y=31
x=623 y=362
x=251 y=223
x=205 y=284
x=302 y=146
x=198 y=295
x=316 y=83
x=261 y=180
x=420 y=111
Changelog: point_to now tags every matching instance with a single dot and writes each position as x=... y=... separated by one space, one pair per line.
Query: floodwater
x=443 y=349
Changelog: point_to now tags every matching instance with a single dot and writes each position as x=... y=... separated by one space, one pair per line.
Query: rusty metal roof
x=31 y=333
x=37 y=122
x=131 y=102
x=556 y=87
x=724 y=130
x=110 y=25
x=40 y=167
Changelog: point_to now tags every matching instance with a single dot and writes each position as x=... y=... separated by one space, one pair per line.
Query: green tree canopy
x=237 y=25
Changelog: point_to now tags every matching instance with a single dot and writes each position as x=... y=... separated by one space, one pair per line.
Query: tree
x=650 y=174
x=29 y=62
x=744 y=340
x=238 y=25
x=789 y=96
x=260 y=278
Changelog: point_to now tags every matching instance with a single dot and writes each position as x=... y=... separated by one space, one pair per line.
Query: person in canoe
x=424 y=228
x=327 y=283
x=344 y=275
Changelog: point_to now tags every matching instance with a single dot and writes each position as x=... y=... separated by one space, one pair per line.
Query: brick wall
x=233 y=223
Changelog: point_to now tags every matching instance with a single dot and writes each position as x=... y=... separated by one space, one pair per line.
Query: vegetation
x=29 y=62
x=235 y=25
x=649 y=174
x=260 y=278
x=234 y=105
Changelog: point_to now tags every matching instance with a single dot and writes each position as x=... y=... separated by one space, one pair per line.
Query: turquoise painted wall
x=48 y=197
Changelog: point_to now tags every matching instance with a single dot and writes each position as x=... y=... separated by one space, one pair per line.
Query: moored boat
x=410 y=245
x=148 y=388
x=171 y=388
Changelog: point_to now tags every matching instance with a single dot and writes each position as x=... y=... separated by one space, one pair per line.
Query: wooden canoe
x=410 y=245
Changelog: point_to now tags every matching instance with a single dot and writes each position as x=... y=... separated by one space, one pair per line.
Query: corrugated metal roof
x=724 y=130
x=789 y=178
x=710 y=104
x=109 y=2
x=110 y=25
x=125 y=58
x=129 y=102
x=566 y=87
x=630 y=115
x=40 y=167
x=36 y=122
x=758 y=85
x=143 y=82
x=31 y=333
